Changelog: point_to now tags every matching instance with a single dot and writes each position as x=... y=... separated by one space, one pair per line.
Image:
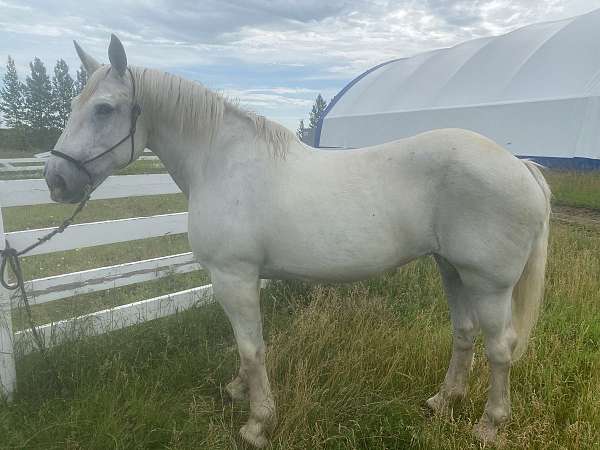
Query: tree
x=306 y=134
x=81 y=80
x=317 y=111
x=63 y=90
x=11 y=96
x=38 y=97
x=301 y=131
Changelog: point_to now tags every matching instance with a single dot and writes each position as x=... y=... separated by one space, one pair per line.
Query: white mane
x=192 y=107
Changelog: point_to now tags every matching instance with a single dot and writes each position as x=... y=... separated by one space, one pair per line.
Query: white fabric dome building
x=536 y=91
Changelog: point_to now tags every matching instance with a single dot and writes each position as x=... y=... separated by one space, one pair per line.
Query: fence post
x=8 y=377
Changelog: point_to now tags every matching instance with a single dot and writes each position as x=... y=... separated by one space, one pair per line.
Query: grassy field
x=6 y=153
x=581 y=189
x=351 y=365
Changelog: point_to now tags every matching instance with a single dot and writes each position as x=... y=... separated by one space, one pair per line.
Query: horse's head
x=103 y=133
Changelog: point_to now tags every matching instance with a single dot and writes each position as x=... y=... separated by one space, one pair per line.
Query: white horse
x=262 y=204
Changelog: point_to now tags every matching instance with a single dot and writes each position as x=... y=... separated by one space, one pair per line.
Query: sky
x=273 y=56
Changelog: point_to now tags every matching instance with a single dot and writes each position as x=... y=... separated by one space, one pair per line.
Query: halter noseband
x=136 y=110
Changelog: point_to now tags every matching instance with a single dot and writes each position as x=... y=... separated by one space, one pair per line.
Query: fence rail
x=21 y=165
x=57 y=287
x=100 y=233
x=36 y=164
x=112 y=319
x=35 y=192
x=43 y=290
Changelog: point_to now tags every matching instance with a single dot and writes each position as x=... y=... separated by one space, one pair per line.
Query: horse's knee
x=463 y=334
x=499 y=348
x=464 y=337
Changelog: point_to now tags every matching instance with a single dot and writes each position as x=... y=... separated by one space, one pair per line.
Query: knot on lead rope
x=11 y=256
x=9 y=251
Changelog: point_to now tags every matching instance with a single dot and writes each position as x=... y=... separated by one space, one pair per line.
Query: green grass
x=350 y=365
x=147 y=166
x=580 y=189
x=7 y=153
x=29 y=217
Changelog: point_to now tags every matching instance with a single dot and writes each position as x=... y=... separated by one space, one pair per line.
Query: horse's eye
x=104 y=109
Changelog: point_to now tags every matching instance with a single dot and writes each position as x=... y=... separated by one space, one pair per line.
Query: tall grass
x=580 y=189
x=350 y=367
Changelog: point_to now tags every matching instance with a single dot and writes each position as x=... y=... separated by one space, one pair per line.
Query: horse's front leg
x=238 y=292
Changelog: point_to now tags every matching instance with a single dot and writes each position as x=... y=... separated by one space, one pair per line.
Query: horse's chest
x=222 y=231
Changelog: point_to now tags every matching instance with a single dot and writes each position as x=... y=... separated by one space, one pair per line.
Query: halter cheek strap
x=136 y=110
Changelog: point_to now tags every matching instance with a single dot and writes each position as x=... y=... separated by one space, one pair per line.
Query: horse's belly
x=351 y=261
x=339 y=273
x=346 y=235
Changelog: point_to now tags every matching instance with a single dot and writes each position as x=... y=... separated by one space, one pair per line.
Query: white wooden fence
x=35 y=192
x=37 y=164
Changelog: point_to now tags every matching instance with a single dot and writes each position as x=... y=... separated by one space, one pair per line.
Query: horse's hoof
x=254 y=435
x=443 y=403
x=237 y=390
x=485 y=431
x=438 y=404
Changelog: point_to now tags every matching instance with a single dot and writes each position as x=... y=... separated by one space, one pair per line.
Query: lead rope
x=11 y=257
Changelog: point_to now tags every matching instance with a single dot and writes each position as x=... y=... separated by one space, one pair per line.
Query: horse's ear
x=89 y=63
x=116 y=55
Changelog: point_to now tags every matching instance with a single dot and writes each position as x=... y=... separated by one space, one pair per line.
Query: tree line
x=307 y=134
x=36 y=111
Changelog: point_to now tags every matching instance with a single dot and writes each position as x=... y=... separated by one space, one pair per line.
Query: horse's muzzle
x=67 y=184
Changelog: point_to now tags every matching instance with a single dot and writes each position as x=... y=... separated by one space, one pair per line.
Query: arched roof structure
x=535 y=91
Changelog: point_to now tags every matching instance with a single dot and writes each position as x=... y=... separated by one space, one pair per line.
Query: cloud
x=247 y=47
x=351 y=33
x=252 y=98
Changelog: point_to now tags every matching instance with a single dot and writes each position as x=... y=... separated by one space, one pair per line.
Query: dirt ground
x=578 y=216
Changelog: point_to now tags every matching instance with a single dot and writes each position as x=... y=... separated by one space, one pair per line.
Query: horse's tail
x=529 y=290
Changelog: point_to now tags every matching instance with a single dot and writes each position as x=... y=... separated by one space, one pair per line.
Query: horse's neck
x=177 y=157
x=186 y=158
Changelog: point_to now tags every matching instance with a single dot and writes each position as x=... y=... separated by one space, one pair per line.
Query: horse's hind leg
x=465 y=328
x=494 y=311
